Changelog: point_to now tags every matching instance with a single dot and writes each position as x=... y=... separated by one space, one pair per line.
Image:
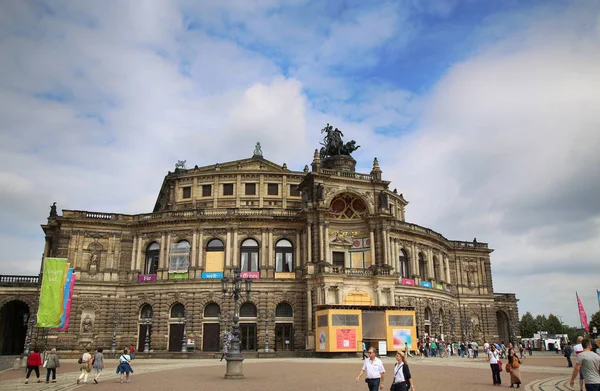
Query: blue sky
x=482 y=113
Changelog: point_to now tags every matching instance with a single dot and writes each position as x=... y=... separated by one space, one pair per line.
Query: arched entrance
x=13 y=327
x=503 y=327
x=211 y=340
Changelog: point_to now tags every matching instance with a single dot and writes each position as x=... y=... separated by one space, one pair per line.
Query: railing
x=346 y=174
x=7 y=279
x=460 y=244
x=426 y=231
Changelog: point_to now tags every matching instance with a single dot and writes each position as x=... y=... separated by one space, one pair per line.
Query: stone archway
x=503 y=327
x=14 y=317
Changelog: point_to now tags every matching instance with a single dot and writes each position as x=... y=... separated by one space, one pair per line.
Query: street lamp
x=451 y=320
x=435 y=322
x=183 y=320
x=116 y=319
x=466 y=324
x=31 y=318
x=269 y=315
x=148 y=324
x=234 y=356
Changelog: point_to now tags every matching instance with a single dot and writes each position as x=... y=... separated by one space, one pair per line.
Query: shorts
x=97 y=371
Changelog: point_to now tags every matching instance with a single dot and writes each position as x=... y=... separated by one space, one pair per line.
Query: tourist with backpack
x=85 y=365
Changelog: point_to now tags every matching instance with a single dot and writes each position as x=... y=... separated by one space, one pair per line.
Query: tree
x=541 y=323
x=528 y=325
x=554 y=325
x=595 y=321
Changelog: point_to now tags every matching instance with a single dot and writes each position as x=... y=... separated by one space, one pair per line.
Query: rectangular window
x=206 y=190
x=400 y=320
x=294 y=191
x=273 y=189
x=322 y=321
x=179 y=260
x=228 y=189
x=187 y=192
x=284 y=262
x=250 y=188
x=344 y=320
x=338 y=258
x=249 y=261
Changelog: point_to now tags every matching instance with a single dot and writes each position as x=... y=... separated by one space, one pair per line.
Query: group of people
x=88 y=363
x=375 y=372
x=513 y=366
x=587 y=364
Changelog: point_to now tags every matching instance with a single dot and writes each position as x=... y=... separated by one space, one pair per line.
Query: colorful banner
x=146 y=277
x=178 y=276
x=582 y=315
x=426 y=284
x=439 y=286
x=253 y=275
x=51 y=294
x=598 y=293
x=65 y=325
x=217 y=275
x=66 y=289
x=406 y=281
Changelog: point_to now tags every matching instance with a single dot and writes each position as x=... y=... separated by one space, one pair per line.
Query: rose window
x=347 y=207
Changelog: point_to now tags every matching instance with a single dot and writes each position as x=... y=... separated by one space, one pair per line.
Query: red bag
x=500 y=365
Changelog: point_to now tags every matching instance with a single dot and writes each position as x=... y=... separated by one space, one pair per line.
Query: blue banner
x=63 y=318
x=218 y=275
x=426 y=284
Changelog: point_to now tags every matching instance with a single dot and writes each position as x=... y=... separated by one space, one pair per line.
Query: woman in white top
x=493 y=355
x=402 y=378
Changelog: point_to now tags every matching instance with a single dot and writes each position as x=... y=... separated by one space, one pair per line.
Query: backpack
x=80 y=361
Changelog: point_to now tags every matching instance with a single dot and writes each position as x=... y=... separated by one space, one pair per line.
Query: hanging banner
x=582 y=315
x=68 y=300
x=66 y=288
x=51 y=294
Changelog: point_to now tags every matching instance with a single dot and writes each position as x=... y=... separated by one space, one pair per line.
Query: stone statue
x=383 y=200
x=180 y=165
x=53 y=212
x=333 y=145
x=86 y=325
x=258 y=150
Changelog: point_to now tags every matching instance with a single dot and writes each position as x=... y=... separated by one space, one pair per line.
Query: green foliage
x=595 y=321
x=528 y=325
x=541 y=323
x=553 y=325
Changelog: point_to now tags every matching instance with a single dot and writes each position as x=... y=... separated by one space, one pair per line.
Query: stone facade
x=347 y=235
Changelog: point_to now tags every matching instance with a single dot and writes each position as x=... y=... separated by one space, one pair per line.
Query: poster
x=322 y=340
x=401 y=337
x=345 y=339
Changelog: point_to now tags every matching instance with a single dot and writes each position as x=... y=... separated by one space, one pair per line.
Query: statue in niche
x=86 y=324
x=94 y=261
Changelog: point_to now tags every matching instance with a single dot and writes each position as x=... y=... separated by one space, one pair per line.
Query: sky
x=484 y=114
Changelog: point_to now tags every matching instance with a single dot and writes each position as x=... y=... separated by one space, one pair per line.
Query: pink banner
x=146 y=277
x=253 y=275
x=68 y=312
x=406 y=281
x=582 y=315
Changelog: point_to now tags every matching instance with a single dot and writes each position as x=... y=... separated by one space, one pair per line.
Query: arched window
x=248 y=310
x=427 y=321
x=152 y=255
x=284 y=256
x=249 y=256
x=422 y=266
x=178 y=311
x=441 y=321
x=436 y=273
x=403 y=264
x=284 y=310
x=212 y=310
x=146 y=312
x=180 y=257
x=427 y=313
x=215 y=257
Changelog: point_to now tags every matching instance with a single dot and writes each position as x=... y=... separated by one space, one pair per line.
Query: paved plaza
x=540 y=373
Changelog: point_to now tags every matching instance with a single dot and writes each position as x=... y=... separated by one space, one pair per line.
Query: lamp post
x=116 y=319
x=147 y=323
x=435 y=323
x=451 y=320
x=269 y=315
x=184 y=337
x=234 y=356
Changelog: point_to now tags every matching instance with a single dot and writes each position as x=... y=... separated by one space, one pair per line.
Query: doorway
x=211 y=341
x=142 y=336
x=284 y=336
x=14 y=317
x=248 y=334
x=175 y=337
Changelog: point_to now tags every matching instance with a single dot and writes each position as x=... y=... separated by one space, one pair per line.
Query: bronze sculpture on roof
x=333 y=144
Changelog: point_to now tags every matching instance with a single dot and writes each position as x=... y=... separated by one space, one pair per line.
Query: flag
x=598 y=293
x=582 y=315
x=66 y=298
x=51 y=294
x=65 y=325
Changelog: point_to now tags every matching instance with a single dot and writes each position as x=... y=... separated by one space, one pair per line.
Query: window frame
x=271 y=186
x=155 y=254
x=252 y=263
x=283 y=256
x=183 y=191
x=231 y=188
x=248 y=186
x=297 y=190
x=209 y=187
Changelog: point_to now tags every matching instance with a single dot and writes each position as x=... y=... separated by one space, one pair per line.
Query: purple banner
x=146 y=277
x=406 y=281
x=253 y=275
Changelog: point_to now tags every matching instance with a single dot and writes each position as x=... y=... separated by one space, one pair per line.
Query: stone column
x=325 y=295
x=134 y=253
x=309 y=319
x=429 y=264
x=394 y=258
x=373 y=253
x=263 y=249
x=235 y=261
x=161 y=256
x=321 y=248
x=193 y=251
x=228 y=250
x=200 y=256
x=271 y=253
x=326 y=239
x=140 y=254
x=441 y=268
x=297 y=251
x=447 y=262
x=308 y=243
x=414 y=259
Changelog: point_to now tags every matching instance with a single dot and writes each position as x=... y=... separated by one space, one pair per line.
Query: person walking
x=567 y=353
x=364 y=351
x=225 y=350
x=493 y=356
x=406 y=349
x=402 y=378
x=85 y=366
x=515 y=368
x=98 y=364
x=52 y=362
x=587 y=363
x=375 y=371
x=34 y=361
x=124 y=368
x=578 y=349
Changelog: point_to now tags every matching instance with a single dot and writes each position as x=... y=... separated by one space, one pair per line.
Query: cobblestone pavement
x=451 y=374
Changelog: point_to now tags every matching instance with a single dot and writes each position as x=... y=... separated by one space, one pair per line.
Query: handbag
x=508 y=368
x=500 y=365
x=45 y=363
